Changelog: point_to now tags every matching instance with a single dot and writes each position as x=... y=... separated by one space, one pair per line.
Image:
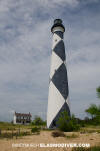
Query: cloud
x=25 y=51
x=58 y=3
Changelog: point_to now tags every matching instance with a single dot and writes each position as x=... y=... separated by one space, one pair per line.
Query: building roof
x=23 y=114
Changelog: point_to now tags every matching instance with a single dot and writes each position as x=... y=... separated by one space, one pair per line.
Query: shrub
x=35 y=129
x=58 y=134
x=38 y=121
x=67 y=123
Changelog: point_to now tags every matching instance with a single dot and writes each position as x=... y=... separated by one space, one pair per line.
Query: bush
x=38 y=121
x=67 y=123
x=58 y=134
x=35 y=129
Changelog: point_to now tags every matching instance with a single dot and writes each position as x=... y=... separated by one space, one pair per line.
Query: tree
x=98 y=91
x=38 y=121
x=93 y=110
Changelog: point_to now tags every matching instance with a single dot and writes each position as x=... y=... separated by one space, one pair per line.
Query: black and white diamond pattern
x=60 y=50
x=59 y=79
x=58 y=87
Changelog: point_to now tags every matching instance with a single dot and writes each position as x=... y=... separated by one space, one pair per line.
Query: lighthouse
x=58 y=84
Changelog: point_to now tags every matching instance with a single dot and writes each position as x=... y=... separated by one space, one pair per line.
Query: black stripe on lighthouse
x=59 y=33
x=59 y=49
x=65 y=107
x=60 y=80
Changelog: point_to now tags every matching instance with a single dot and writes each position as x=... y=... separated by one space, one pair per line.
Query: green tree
x=98 y=91
x=38 y=121
x=93 y=110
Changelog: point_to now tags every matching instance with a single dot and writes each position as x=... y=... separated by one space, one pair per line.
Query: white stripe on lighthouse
x=54 y=98
x=56 y=39
x=55 y=63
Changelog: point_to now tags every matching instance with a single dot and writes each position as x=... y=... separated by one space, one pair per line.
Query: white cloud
x=25 y=48
x=58 y=3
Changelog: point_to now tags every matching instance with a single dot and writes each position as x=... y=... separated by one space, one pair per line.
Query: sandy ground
x=45 y=137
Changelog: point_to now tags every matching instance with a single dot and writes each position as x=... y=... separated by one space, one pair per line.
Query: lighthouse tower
x=58 y=86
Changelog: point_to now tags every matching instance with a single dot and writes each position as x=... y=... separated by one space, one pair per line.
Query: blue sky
x=25 y=51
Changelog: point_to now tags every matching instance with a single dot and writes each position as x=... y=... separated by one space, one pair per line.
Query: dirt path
x=45 y=137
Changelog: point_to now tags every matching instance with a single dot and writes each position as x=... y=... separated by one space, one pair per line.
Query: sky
x=25 y=54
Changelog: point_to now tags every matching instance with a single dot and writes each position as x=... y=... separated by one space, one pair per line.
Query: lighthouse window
x=55 y=39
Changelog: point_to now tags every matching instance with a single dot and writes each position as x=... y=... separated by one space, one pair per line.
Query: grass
x=10 y=126
x=72 y=136
x=14 y=134
x=90 y=129
x=83 y=131
x=9 y=130
x=95 y=148
x=6 y=127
